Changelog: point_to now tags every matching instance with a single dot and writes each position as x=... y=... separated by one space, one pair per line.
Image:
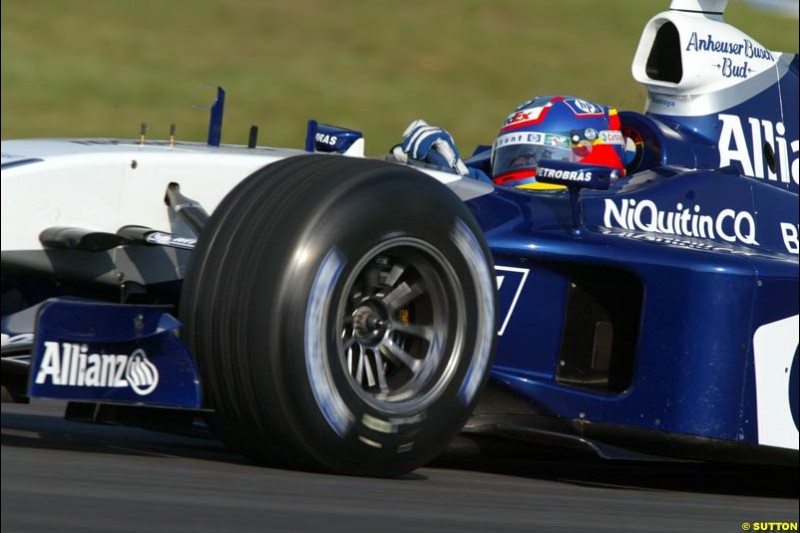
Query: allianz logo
x=744 y=144
x=71 y=364
x=728 y=225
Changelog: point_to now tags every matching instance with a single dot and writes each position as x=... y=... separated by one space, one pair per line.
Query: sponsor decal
x=510 y=282
x=683 y=242
x=166 y=239
x=71 y=365
x=744 y=48
x=561 y=141
x=564 y=175
x=526 y=115
x=543 y=139
x=325 y=138
x=729 y=69
x=519 y=138
x=727 y=65
x=789 y=233
x=656 y=100
x=745 y=145
x=645 y=215
x=582 y=108
x=612 y=137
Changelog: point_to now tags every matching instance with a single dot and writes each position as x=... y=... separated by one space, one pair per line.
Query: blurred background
x=98 y=68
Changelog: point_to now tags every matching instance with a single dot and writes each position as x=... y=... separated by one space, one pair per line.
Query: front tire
x=342 y=313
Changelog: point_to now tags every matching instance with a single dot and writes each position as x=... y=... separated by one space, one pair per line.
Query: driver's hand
x=429 y=144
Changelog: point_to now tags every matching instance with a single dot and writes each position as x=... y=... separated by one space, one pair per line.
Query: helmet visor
x=521 y=151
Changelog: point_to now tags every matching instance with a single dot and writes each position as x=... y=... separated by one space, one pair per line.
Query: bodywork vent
x=664 y=61
x=601 y=330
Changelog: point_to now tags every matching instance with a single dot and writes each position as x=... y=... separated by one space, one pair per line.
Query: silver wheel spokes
x=392 y=328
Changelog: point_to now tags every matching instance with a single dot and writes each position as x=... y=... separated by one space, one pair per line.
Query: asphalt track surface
x=68 y=476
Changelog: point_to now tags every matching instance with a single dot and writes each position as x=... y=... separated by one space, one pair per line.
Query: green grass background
x=101 y=67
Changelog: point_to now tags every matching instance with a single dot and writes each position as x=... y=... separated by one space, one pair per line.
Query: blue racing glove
x=429 y=144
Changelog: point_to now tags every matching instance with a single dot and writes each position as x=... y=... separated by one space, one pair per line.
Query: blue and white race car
x=345 y=314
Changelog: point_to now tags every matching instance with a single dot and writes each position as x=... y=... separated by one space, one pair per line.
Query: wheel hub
x=369 y=325
x=397 y=344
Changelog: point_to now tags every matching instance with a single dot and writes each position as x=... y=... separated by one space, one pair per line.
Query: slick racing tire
x=342 y=313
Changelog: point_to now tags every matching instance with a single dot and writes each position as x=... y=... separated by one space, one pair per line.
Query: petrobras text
x=564 y=175
x=325 y=138
x=745 y=145
x=728 y=225
x=71 y=364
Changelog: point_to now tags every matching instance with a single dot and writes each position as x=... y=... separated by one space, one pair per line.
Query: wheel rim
x=401 y=320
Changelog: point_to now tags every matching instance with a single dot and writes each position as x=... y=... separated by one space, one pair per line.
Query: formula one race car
x=343 y=314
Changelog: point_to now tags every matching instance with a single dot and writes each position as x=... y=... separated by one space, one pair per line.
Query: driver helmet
x=563 y=128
